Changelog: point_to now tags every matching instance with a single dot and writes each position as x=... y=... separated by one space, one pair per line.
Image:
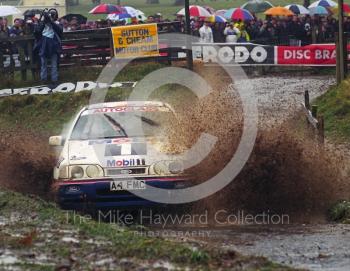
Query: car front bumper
x=96 y=194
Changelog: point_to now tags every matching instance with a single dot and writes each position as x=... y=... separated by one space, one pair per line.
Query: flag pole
x=188 y=32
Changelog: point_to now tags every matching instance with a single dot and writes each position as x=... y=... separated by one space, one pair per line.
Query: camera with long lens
x=49 y=15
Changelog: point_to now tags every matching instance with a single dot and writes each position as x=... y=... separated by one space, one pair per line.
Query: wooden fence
x=80 y=48
x=312 y=118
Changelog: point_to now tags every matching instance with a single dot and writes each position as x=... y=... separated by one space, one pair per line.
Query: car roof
x=129 y=104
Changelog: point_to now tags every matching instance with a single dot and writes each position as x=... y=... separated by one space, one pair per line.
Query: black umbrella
x=80 y=18
x=257 y=6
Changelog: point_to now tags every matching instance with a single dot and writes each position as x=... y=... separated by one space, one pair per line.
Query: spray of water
x=288 y=171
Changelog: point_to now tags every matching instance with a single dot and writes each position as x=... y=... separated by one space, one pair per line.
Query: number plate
x=128 y=185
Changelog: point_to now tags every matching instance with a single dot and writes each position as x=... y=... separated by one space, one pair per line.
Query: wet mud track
x=316 y=247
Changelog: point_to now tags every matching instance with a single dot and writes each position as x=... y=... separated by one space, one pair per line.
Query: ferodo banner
x=63 y=88
x=235 y=53
x=247 y=54
x=135 y=41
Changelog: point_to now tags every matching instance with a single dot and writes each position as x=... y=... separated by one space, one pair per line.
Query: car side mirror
x=56 y=141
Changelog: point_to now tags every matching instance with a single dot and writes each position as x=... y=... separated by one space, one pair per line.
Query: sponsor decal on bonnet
x=125 y=162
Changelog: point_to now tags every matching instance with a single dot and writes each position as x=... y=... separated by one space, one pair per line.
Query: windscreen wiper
x=148 y=121
x=115 y=124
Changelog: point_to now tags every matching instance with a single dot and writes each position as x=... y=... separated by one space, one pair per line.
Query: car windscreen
x=121 y=124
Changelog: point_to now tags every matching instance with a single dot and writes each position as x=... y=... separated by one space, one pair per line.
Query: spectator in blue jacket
x=48 y=35
x=17 y=28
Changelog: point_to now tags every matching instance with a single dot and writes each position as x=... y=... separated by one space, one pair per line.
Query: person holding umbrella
x=48 y=34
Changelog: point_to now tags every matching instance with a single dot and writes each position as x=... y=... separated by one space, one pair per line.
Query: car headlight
x=63 y=172
x=93 y=171
x=160 y=168
x=76 y=172
x=85 y=171
x=176 y=167
x=167 y=167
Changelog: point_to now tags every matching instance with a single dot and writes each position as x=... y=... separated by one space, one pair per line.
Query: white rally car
x=105 y=157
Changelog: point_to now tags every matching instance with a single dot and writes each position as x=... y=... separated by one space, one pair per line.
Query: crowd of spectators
x=25 y=26
x=271 y=30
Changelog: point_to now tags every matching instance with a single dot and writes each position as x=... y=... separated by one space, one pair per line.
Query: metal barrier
x=91 y=47
x=82 y=48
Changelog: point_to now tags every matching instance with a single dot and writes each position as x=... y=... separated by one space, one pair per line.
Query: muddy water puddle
x=313 y=247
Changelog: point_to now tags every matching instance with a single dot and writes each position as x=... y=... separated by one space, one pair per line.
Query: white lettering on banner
x=102 y=85
x=325 y=54
x=85 y=85
x=242 y=54
x=209 y=54
x=116 y=85
x=225 y=54
x=287 y=54
x=297 y=54
x=334 y=54
x=318 y=54
x=259 y=54
x=307 y=54
x=40 y=90
x=5 y=92
x=20 y=91
x=63 y=88
x=239 y=54
x=196 y=52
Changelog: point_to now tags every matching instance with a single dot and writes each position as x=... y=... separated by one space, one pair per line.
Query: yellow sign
x=135 y=41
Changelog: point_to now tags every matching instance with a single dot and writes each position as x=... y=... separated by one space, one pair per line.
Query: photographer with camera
x=48 y=34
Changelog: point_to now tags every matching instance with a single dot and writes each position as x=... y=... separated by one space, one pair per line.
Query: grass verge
x=340 y=212
x=335 y=107
x=48 y=113
x=53 y=239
